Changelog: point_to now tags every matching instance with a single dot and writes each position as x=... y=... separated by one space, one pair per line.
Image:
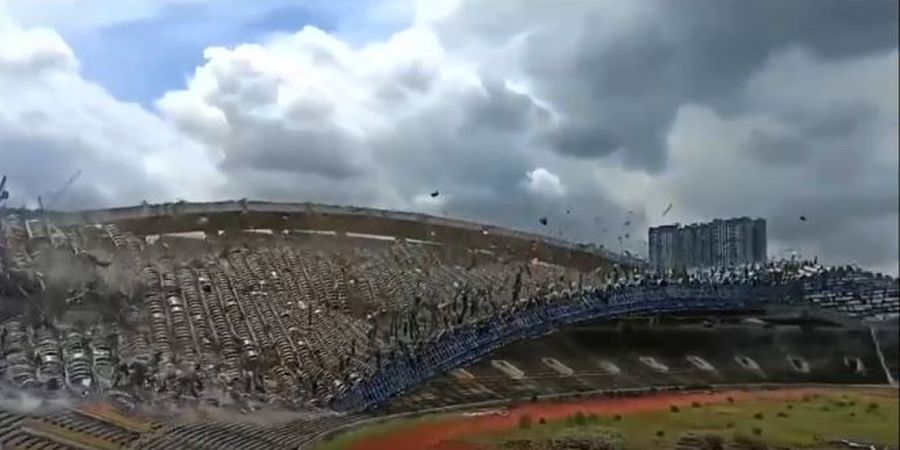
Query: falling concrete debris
x=666 y=211
x=543 y=221
x=4 y=194
x=435 y=194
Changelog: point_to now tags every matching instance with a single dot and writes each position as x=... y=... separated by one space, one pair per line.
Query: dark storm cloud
x=808 y=131
x=281 y=147
x=634 y=64
x=619 y=86
x=860 y=230
x=585 y=139
x=500 y=108
x=842 y=119
x=819 y=212
x=435 y=148
x=572 y=218
x=777 y=148
x=724 y=42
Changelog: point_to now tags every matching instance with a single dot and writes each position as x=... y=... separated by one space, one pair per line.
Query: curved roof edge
x=148 y=210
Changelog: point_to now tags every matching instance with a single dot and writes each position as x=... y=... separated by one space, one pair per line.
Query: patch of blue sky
x=140 y=59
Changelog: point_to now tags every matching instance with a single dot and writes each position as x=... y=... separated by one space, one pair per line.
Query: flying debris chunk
x=4 y=194
x=803 y=218
x=666 y=211
x=435 y=194
x=543 y=221
x=568 y=211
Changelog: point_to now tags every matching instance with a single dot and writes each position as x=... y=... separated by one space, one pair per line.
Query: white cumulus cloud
x=54 y=123
x=542 y=182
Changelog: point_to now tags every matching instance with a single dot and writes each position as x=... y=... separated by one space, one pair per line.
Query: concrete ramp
x=855 y=364
x=508 y=369
x=654 y=364
x=749 y=363
x=609 y=366
x=799 y=364
x=558 y=366
x=700 y=363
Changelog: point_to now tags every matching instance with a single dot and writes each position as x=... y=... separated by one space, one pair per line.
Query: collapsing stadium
x=163 y=326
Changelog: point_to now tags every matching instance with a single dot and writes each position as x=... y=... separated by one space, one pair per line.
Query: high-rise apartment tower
x=719 y=243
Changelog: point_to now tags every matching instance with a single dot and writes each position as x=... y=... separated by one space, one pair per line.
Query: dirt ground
x=442 y=435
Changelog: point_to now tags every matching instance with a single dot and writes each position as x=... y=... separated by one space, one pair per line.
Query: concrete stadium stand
x=236 y=216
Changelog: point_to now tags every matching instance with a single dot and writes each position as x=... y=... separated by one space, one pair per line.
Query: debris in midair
x=627 y=223
x=568 y=211
x=543 y=221
x=627 y=235
x=666 y=211
x=4 y=194
x=803 y=218
x=435 y=194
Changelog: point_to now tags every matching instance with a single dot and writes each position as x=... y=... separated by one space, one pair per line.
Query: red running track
x=445 y=434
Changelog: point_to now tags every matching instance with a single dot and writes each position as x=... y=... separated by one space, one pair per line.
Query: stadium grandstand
x=181 y=325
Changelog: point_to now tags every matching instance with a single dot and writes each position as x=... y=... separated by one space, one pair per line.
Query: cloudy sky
x=593 y=113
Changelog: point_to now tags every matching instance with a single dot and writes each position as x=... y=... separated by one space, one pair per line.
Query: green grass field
x=861 y=415
x=376 y=429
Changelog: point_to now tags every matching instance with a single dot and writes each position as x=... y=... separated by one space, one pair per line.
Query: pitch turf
x=862 y=416
x=797 y=419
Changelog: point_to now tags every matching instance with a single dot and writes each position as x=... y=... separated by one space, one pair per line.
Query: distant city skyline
x=716 y=243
